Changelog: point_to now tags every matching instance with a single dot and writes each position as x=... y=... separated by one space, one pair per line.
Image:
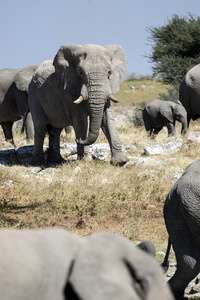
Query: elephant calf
x=182 y=218
x=159 y=113
x=53 y=263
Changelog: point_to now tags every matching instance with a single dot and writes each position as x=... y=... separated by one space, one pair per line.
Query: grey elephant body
x=56 y=264
x=189 y=93
x=159 y=113
x=34 y=264
x=14 y=99
x=83 y=72
x=116 y=269
x=182 y=218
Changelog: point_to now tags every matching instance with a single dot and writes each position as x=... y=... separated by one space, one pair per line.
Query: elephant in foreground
x=14 y=99
x=79 y=82
x=159 y=113
x=189 y=93
x=182 y=218
x=114 y=268
x=53 y=263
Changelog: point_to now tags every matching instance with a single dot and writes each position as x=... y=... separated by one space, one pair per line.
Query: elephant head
x=93 y=74
x=109 y=266
x=174 y=112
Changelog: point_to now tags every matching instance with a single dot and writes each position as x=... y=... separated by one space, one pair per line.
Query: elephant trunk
x=97 y=98
x=184 y=129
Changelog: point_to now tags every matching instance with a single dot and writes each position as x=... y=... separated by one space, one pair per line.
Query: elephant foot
x=55 y=160
x=37 y=161
x=119 y=160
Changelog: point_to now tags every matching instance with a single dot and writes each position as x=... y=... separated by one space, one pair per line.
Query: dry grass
x=86 y=197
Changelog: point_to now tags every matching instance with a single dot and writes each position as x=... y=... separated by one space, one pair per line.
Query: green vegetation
x=143 y=92
x=175 y=48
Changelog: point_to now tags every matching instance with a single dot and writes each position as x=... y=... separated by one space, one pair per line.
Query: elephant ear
x=65 y=68
x=166 y=111
x=23 y=78
x=118 y=64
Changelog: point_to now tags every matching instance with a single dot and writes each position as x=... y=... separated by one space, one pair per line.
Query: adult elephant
x=54 y=264
x=79 y=82
x=159 y=113
x=14 y=99
x=182 y=218
x=189 y=93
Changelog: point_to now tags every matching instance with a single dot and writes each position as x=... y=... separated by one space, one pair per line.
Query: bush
x=171 y=94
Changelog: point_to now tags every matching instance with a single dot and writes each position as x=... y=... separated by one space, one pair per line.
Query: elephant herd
x=75 y=88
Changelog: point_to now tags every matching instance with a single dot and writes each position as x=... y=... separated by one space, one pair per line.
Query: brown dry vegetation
x=85 y=197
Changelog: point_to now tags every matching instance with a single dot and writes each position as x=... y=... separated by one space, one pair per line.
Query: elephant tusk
x=112 y=98
x=79 y=100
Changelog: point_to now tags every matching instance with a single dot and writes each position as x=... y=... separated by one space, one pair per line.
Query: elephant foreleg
x=53 y=156
x=80 y=127
x=39 y=135
x=7 y=129
x=171 y=128
x=109 y=128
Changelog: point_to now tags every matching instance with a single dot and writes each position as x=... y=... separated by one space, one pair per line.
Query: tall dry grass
x=85 y=197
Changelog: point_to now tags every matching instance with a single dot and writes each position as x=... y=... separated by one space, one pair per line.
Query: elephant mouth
x=96 y=109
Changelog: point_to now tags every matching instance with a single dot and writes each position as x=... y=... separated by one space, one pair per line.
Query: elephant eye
x=80 y=71
x=109 y=73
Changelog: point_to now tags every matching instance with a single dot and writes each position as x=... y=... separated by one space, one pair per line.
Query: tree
x=175 y=48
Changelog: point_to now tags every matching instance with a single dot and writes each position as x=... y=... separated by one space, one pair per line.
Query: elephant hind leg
x=7 y=129
x=188 y=261
x=157 y=130
x=182 y=278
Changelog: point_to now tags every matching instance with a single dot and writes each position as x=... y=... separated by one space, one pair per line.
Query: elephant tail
x=137 y=109
x=165 y=263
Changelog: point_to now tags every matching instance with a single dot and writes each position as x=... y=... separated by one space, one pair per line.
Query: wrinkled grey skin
x=92 y=73
x=34 y=264
x=182 y=218
x=159 y=113
x=189 y=93
x=49 y=264
x=14 y=99
x=109 y=266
